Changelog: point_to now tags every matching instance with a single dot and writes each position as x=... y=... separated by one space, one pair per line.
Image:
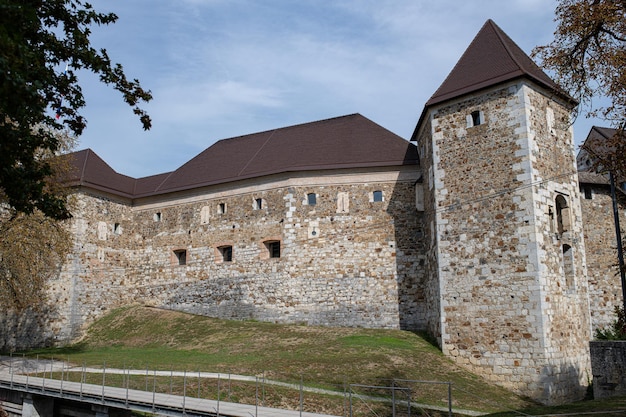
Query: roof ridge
x=500 y=34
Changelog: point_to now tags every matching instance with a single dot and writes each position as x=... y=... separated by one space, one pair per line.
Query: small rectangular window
x=157 y=216
x=258 y=203
x=311 y=199
x=181 y=256
x=227 y=253
x=588 y=193
x=377 y=196
x=221 y=208
x=273 y=248
x=117 y=229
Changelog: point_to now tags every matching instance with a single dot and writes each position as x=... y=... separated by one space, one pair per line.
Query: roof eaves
x=275 y=172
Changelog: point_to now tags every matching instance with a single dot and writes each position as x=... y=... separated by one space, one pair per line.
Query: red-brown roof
x=88 y=169
x=344 y=142
x=491 y=58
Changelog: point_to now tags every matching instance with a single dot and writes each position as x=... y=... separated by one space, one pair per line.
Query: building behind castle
x=476 y=232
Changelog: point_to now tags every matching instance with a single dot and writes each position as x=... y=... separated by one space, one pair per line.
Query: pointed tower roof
x=490 y=59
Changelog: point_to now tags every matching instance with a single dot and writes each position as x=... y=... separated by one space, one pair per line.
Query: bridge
x=33 y=396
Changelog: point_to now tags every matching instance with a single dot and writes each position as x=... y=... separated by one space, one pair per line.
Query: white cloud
x=222 y=68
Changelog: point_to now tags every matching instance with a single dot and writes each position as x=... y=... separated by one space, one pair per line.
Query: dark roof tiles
x=491 y=58
x=344 y=142
x=89 y=169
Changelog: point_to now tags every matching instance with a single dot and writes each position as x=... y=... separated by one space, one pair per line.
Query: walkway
x=16 y=371
x=143 y=401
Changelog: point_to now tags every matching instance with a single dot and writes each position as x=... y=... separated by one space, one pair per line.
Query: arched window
x=563 y=222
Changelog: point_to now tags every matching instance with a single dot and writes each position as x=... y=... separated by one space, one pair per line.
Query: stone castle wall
x=347 y=260
x=605 y=288
x=498 y=277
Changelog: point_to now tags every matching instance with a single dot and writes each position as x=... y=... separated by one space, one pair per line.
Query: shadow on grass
x=66 y=350
x=606 y=407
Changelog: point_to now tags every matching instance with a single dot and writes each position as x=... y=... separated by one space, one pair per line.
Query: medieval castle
x=479 y=230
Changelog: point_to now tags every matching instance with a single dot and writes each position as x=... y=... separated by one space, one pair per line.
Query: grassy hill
x=327 y=358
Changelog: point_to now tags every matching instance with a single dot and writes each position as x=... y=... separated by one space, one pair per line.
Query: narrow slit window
x=258 y=204
x=476 y=119
x=157 y=216
x=568 y=266
x=117 y=229
x=221 y=208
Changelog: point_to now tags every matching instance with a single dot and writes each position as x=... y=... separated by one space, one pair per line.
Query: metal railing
x=151 y=389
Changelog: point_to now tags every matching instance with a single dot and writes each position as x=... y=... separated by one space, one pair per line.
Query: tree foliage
x=588 y=54
x=617 y=329
x=42 y=45
x=588 y=58
x=33 y=246
x=32 y=249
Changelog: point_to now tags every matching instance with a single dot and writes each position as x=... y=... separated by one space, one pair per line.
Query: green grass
x=330 y=358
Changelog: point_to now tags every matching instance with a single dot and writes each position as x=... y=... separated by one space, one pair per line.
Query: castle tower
x=506 y=258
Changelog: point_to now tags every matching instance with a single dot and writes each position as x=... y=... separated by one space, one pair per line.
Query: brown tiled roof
x=490 y=59
x=88 y=169
x=597 y=142
x=344 y=142
x=588 y=177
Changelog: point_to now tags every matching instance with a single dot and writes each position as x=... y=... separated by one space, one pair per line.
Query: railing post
x=127 y=384
x=43 y=383
x=153 y=389
x=350 y=397
x=218 y=395
x=82 y=379
x=393 y=397
x=11 y=368
x=301 y=394
x=104 y=371
x=449 y=399
x=184 y=389
x=171 y=376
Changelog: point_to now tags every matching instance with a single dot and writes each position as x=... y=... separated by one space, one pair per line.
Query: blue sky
x=224 y=68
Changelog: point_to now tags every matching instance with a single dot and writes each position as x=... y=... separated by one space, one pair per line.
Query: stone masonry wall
x=562 y=270
x=492 y=271
x=347 y=260
x=605 y=288
x=433 y=293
